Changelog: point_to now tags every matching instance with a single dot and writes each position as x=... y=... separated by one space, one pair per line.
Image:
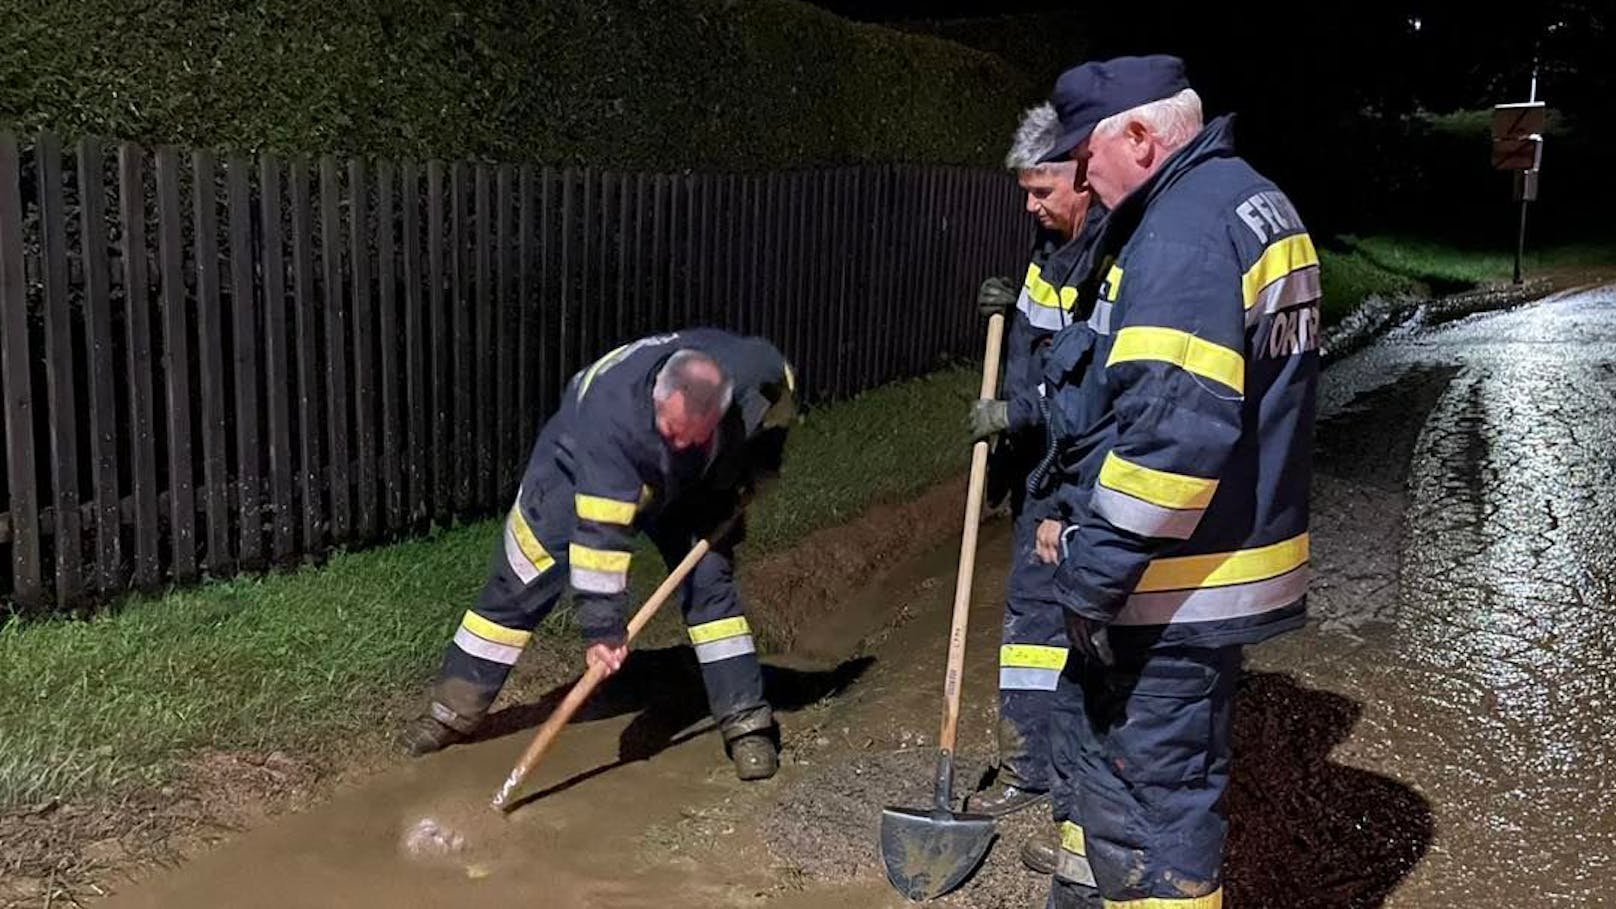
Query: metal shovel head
x=930 y=852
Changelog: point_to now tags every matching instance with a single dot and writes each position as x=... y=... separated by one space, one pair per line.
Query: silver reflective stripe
x=1075 y=868
x=520 y=566
x=1297 y=287
x=1214 y=604
x=1016 y=678
x=1144 y=518
x=1100 y=319
x=488 y=650
x=591 y=581
x=1048 y=318
x=727 y=648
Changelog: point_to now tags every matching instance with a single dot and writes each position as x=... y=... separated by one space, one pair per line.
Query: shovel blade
x=930 y=852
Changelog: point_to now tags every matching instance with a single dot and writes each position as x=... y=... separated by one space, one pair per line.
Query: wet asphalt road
x=1465 y=595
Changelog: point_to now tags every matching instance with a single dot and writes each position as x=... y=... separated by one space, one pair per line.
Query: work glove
x=998 y=294
x=987 y=418
x=1090 y=638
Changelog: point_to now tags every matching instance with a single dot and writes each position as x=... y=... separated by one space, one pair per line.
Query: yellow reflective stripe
x=1182 y=349
x=1213 y=900
x=1282 y=257
x=1113 y=283
x=604 y=510
x=1072 y=839
x=719 y=630
x=791 y=379
x=1045 y=294
x=531 y=548
x=598 y=365
x=598 y=559
x=499 y=634
x=1158 y=487
x=1220 y=569
x=1032 y=656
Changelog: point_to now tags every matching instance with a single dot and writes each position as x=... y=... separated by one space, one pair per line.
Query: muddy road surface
x=1439 y=736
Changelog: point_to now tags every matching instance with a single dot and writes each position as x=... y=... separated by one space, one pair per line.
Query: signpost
x=1518 y=147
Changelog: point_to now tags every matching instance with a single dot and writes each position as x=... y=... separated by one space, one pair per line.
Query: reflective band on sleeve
x=1047 y=295
x=1292 y=290
x=1158 y=487
x=527 y=558
x=1112 y=288
x=605 y=511
x=1281 y=258
x=1219 y=569
x=490 y=641
x=1016 y=679
x=1181 y=349
x=1071 y=863
x=589 y=580
x=1213 y=900
x=1100 y=318
x=1143 y=518
x=1215 y=604
x=722 y=639
x=1032 y=656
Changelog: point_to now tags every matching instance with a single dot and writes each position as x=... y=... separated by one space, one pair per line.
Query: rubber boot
x=1067 y=895
x=1041 y=851
x=425 y=734
x=1004 y=799
x=755 y=756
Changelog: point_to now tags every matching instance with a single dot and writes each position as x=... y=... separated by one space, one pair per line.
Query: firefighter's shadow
x=1304 y=831
x=663 y=687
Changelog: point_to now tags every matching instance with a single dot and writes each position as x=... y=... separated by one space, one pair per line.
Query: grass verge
x=305 y=658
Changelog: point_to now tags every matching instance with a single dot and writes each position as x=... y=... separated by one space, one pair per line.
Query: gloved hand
x=987 y=418
x=998 y=294
x=1090 y=638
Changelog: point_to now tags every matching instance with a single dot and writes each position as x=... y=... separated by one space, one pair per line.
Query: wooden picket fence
x=231 y=365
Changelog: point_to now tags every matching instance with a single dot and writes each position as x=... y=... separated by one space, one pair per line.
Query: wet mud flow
x=1439 y=736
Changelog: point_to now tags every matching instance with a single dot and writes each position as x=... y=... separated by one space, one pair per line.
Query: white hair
x=1173 y=121
x=1035 y=138
x=703 y=397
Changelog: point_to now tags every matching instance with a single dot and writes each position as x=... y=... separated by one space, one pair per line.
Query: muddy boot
x=755 y=756
x=1004 y=799
x=425 y=734
x=1041 y=851
x=1067 y=895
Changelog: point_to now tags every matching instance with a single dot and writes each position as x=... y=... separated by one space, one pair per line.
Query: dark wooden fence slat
x=461 y=302
x=312 y=471
x=210 y=341
x=506 y=377
x=635 y=323
x=103 y=397
x=416 y=440
x=666 y=242
x=563 y=325
x=754 y=277
x=176 y=367
x=364 y=346
x=277 y=362
x=138 y=363
x=244 y=309
x=387 y=338
x=442 y=346
x=336 y=346
x=549 y=324
x=486 y=362
x=527 y=371
x=588 y=342
x=15 y=357
x=617 y=327
x=63 y=412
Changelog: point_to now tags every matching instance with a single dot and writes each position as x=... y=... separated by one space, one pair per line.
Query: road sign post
x=1518 y=147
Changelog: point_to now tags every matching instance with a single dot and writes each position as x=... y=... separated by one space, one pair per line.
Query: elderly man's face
x=680 y=428
x=1056 y=196
x=1118 y=162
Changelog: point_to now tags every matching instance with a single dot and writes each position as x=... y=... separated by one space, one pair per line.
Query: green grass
x=1350 y=278
x=291 y=660
x=1433 y=262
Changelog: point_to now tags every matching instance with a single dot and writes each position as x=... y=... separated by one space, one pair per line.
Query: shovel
x=930 y=851
x=546 y=736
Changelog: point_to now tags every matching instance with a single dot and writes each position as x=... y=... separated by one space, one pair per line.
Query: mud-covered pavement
x=1438 y=737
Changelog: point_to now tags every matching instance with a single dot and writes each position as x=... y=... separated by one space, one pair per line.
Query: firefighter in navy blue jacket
x=666 y=435
x=1183 y=409
x=1033 y=647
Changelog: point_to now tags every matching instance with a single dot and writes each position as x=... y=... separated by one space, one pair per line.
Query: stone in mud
x=428 y=838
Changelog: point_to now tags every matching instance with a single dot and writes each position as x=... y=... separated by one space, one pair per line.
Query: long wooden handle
x=967 y=562
x=585 y=686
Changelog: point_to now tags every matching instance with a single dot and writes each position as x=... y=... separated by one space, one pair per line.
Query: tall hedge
x=632 y=83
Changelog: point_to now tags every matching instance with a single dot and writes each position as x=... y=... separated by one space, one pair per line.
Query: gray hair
x=1035 y=138
x=1173 y=121
x=690 y=373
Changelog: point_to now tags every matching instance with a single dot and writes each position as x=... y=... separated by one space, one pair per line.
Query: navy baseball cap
x=1086 y=94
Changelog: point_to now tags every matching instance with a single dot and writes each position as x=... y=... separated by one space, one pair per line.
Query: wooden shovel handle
x=546 y=736
x=967 y=562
